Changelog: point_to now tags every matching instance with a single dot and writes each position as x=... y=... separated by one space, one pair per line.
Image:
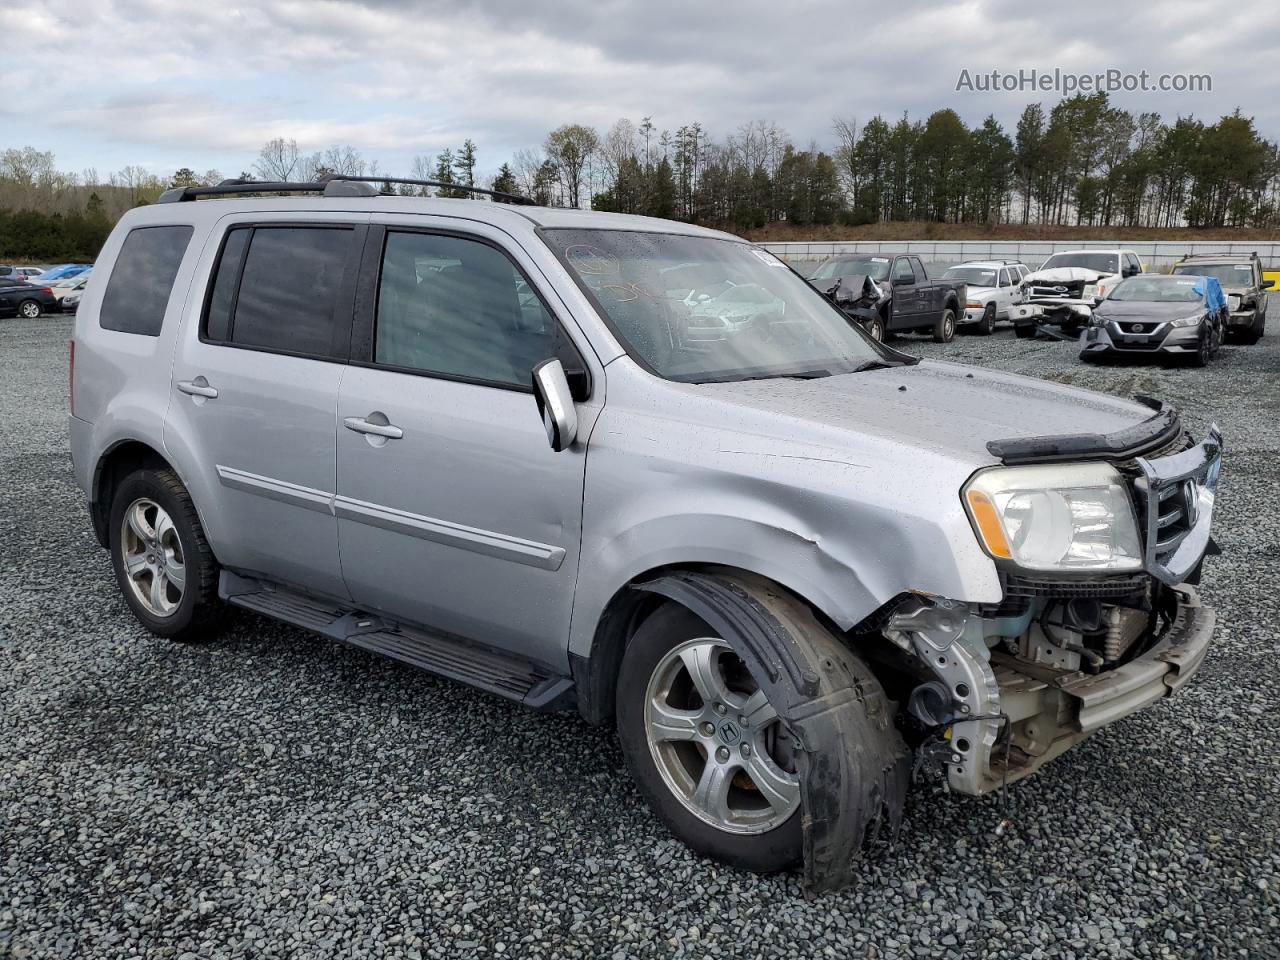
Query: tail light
x=47 y=291
x=71 y=376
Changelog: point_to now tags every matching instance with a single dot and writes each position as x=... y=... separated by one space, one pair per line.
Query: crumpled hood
x=1058 y=274
x=946 y=408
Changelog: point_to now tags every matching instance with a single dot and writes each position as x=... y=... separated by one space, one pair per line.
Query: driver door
x=454 y=513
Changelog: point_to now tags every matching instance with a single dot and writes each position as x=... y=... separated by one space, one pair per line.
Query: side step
x=479 y=666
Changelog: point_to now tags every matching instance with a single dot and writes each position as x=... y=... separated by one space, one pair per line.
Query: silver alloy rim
x=948 y=326
x=876 y=333
x=30 y=310
x=153 y=561
x=717 y=742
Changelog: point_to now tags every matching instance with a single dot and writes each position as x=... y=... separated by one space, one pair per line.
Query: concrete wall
x=1155 y=255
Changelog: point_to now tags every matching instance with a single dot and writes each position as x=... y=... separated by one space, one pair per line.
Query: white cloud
x=180 y=82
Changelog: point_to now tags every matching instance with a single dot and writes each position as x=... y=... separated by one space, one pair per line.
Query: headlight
x=1234 y=303
x=1091 y=290
x=1186 y=321
x=1056 y=517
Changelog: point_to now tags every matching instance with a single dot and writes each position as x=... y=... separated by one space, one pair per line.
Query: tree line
x=1081 y=161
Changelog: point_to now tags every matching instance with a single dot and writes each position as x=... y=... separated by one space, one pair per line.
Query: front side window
x=276 y=288
x=902 y=272
x=459 y=308
x=701 y=309
x=137 y=294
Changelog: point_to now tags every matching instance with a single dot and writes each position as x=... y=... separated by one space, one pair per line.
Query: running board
x=471 y=663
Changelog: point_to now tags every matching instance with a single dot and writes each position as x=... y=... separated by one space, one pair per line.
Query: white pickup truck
x=1068 y=286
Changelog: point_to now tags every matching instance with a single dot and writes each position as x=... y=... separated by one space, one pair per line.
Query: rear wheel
x=163 y=564
x=29 y=309
x=705 y=746
x=1252 y=333
x=944 y=330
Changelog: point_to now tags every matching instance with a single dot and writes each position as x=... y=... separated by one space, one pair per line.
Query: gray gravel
x=272 y=794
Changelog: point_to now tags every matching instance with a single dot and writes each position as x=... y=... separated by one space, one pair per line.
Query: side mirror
x=1267 y=284
x=555 y=404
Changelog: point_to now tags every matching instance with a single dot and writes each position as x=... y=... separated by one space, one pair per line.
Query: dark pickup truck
x=909 y=299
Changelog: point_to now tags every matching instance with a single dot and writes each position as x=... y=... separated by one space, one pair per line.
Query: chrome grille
x=1175 y=493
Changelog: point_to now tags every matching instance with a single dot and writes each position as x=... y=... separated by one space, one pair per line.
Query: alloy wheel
x=717 y=742
x=153 y=557
x=30 y=309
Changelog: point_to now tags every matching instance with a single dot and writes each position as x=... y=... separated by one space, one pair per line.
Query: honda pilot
x=540 y=451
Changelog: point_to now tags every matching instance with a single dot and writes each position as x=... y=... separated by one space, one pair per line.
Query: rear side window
x=142 y=279
x=277 y=288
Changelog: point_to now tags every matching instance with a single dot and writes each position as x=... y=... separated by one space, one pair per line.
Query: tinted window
x=142 y=279
x=461 y=308
x=287 y=295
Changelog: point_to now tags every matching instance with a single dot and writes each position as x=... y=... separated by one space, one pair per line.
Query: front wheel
x=875 y=329
x=987 y=322
x=163 y=564
x=944 y=331
x=705 y=746
x=29 y=309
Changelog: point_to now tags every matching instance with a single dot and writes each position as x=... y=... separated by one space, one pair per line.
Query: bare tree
x=277 y=160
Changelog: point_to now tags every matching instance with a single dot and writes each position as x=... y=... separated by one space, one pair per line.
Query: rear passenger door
x=255 y=390
x=454 y=512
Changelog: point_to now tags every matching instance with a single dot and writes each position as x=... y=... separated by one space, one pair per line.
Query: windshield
x=973 y=276
x=700 y=309
x=1098 y=262
x=1227 y=274
x=877 y=268
x=1156 y=290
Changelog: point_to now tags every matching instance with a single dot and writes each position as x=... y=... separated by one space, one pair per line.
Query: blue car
x=61 y=273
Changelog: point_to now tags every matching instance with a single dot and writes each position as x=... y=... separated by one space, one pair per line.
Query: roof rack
x=331 y=185
x=496 y=194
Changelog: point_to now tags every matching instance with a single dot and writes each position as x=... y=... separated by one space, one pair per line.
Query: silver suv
x=525 y=449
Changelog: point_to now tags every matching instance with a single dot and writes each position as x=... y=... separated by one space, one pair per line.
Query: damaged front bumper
x=1012 y=717
x=1011 y=688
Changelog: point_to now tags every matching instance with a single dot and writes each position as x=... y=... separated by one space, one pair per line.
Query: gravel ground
x=272 y=794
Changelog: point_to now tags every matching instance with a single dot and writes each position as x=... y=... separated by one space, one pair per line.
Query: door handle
x=360 y=425
x=199 y=387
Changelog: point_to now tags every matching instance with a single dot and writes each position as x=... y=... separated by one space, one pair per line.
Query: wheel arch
x=595 y=675
x=120 y=459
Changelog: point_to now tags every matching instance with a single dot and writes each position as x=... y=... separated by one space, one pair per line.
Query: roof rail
x=331 y=188
x=440 y=184
x=330 y=185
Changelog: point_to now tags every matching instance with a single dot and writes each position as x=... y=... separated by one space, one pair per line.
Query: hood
x=976 y=293
x=1066 y=273
x=1145 y=310
x=948 y=409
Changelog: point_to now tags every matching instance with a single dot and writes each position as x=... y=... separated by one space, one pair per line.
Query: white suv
x=994 y=287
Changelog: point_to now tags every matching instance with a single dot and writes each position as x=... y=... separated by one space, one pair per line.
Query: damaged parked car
x=1157 y=315
x=908 y=298
x=1066 y=288
x=486 y=440
x=1245 y=288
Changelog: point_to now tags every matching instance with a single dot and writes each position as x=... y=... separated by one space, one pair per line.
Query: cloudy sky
x=203 y=84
